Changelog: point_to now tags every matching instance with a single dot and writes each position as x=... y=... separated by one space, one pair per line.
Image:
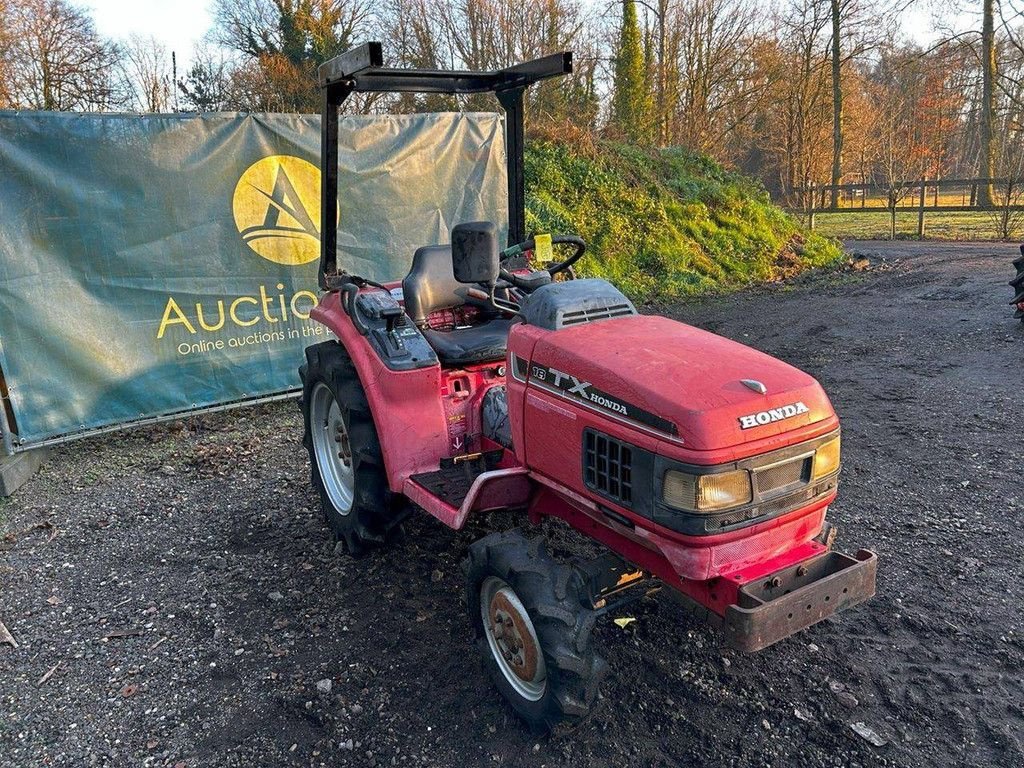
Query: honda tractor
x=483 y=381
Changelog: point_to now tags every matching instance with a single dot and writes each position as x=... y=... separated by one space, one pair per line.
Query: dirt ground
x=176 y=598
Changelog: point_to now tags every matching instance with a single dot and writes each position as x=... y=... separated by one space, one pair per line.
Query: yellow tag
x=543 y=253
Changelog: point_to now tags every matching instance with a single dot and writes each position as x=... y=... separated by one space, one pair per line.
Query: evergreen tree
x=206 y=85
x=631 y=99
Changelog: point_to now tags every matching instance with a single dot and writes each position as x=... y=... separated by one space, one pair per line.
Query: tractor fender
x=405 y=405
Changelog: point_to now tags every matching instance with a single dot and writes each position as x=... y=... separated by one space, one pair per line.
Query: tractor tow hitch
x=775 y=606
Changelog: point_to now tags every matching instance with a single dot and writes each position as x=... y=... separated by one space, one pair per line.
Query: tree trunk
x=987 y=154
x=837 y=107
x=662 y=74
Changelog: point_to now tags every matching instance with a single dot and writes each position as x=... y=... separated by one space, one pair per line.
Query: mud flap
x=776 y=606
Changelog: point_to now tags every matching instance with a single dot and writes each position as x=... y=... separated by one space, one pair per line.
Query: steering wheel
x=552 y=270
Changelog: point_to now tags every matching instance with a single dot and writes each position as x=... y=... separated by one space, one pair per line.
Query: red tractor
x=477 y=383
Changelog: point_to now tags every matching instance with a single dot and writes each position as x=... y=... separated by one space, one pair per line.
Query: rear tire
x=346 y=460
x=532 y=629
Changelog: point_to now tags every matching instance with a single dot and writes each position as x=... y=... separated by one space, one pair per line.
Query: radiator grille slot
x=785 y=476
x=608 y=466
x=579 y=316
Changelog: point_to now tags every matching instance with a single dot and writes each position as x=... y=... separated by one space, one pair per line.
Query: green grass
x=665 y=224
x=940 y=225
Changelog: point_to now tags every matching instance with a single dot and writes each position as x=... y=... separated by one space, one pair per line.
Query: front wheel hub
x=332 y=448
x=512 y=639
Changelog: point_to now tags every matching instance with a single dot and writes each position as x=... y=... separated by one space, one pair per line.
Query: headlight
x=826 y=458
x=707 y=493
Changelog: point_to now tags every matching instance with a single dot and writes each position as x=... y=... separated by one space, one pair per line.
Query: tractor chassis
x=754 y=607
x=768 y=610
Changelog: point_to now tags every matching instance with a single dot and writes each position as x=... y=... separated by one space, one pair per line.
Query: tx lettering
x=772 y=414
x=581 y=389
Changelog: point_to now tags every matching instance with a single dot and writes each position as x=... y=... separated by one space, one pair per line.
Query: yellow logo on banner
x=277 y=209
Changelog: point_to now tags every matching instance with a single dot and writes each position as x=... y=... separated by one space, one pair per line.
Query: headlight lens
x=707 y=493
x=826 y=458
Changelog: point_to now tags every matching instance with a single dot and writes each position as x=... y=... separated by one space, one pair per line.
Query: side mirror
x=475 y=252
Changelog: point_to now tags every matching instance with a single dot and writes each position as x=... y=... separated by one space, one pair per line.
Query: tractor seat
x=465 y=346
x=431 y=286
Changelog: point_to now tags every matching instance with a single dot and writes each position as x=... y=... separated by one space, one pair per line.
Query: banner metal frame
x=13 y=445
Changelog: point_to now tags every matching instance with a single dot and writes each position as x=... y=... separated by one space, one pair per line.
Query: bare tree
x=58 y=60
x=857 y=27
x=148 y=75
x=488 y=34
x=715 y=83
x=1009 y=192
x=1009 y=129
x=902 y=146
x=802 y=100
x=6 y=62
x=989 y=71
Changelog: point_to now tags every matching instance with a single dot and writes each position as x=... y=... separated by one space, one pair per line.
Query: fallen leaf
x=7 y=637
x=624 y=622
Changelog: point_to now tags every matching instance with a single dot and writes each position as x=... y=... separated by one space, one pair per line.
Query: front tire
x=346 y=460
x=532 y=629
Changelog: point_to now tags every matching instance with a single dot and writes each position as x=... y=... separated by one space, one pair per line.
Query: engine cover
x=560 y=305
x=673 y=381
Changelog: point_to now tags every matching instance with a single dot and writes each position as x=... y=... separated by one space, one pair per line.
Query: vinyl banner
x=157 y=264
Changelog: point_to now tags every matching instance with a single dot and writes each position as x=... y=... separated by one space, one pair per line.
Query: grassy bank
x=665 y=224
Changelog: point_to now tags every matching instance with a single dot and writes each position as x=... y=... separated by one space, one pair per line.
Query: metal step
x=451 y=483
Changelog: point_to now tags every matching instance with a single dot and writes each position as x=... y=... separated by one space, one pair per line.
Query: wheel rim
x=512 y=639
x=332 y=448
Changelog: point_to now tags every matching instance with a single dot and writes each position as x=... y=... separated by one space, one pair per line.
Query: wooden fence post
x=920 y=211
x=810 y=210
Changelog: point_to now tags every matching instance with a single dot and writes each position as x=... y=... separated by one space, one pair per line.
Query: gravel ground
x=176 y=599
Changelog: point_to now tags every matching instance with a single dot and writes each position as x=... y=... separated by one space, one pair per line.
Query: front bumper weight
x=775 y=606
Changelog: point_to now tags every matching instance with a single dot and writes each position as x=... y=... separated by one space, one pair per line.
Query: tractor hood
x=673 y=379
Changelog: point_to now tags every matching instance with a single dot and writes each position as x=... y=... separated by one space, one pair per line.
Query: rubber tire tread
x=376 y=512
x=551 y=593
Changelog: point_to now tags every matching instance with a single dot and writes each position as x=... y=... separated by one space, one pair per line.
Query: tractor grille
x=783 y=477
x=576 y=317
x=608 y=467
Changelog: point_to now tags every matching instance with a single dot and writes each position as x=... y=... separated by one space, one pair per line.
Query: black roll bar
x=362 y=70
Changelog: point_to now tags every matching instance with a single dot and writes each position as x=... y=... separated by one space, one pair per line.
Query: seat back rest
x=431 y=284
x=475 y=249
